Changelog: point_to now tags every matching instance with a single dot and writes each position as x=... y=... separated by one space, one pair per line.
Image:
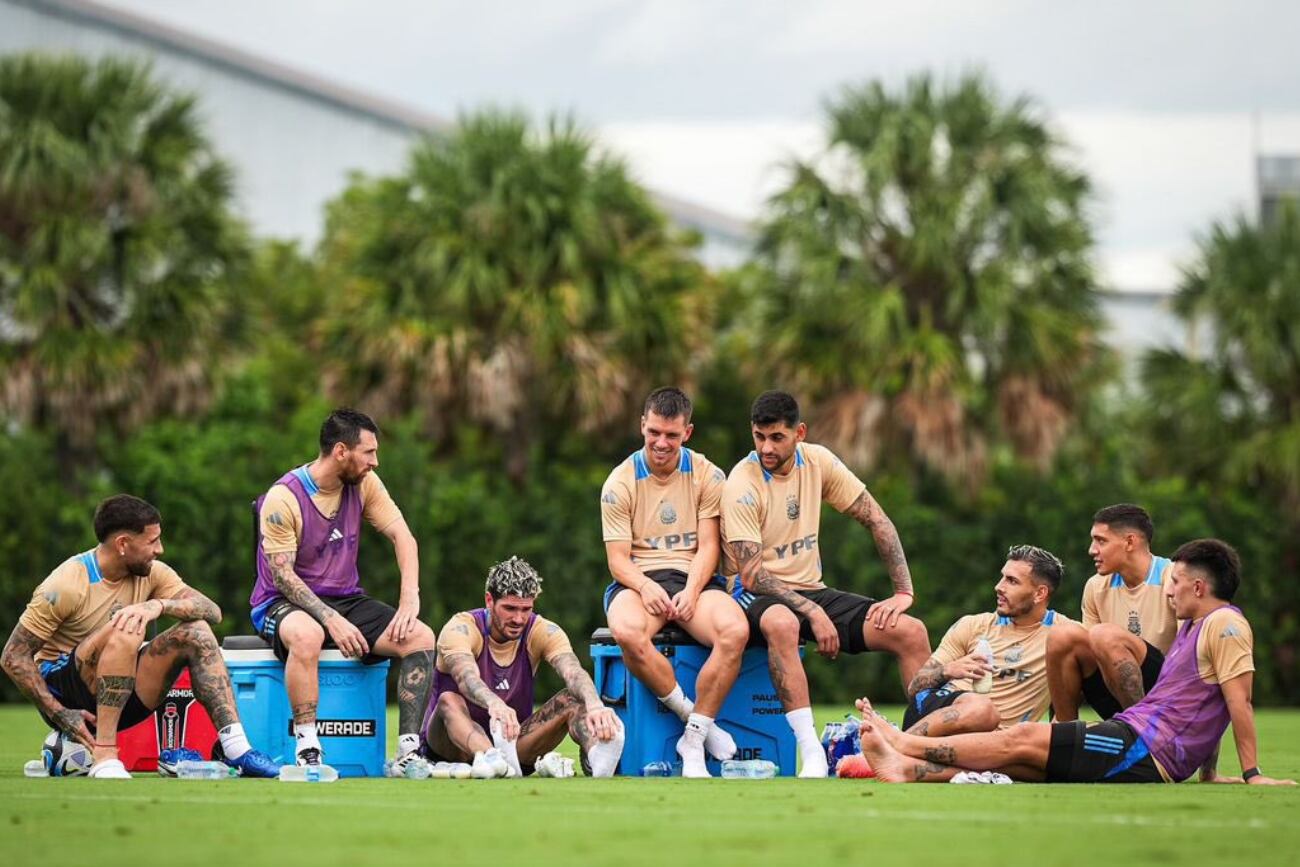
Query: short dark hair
x=772 y=407
x=124 y=512
x=668 y=402
x=1127 y=516
x=345 y=426
x=1045 y=566
x=1217 y=560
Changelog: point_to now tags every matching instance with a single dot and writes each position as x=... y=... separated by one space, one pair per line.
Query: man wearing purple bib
x=308 y=594
x=1204 y=684
x=481 y=709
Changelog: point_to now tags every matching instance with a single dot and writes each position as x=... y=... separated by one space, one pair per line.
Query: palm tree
x=925 y=281
x=116 y=242
x=514 y=280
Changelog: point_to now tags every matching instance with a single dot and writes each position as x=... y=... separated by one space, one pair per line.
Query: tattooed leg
x=969 y=713
x=1020 y=751
x=1119 y=654
x=304 y=638
x=114 y=681
x=414 y=678
x=781 y=630
x=543 y=731
x=189 y=644
x=453 y=734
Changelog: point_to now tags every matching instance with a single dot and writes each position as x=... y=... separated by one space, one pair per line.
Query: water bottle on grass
x=189 y=770
x=748 y=769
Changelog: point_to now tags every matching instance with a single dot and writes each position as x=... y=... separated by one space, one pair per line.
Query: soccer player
x=1114 y=657
x=1205 y=684
x=940 y=697
x=308 y=593
x=771 y=512
x=79 y=650
x=659 y=512
x=481 y=710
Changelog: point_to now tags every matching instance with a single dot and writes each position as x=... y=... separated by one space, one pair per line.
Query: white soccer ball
x=64 y=757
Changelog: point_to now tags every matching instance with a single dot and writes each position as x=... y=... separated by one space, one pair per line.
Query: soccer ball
x=64 y=757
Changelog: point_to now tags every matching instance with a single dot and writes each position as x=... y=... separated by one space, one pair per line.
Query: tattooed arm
x=19 y=662
x=347 y=637
x=599 y=722
x=867 y=512
x=464 y=670
x=190 y=604
x=935 y=674
x=755 y=578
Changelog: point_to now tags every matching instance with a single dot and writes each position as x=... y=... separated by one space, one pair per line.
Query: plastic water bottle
x=417 y=770
x=35 y=768
x=748 y=769
x=985 y=684
x=205 y=771
x=657 y=769
x=308 y=774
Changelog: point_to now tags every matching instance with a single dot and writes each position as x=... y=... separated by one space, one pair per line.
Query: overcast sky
x=1159 y=99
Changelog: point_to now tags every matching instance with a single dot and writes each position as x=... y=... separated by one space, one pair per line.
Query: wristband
x=904 y=593
x=1250 y=773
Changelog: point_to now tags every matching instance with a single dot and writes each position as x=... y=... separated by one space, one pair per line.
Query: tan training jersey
x=282 y=518
x=660 y=517
x=461 y=635
x=1143 y=610
x=783 y=513
x=75 y=600
x=1019 y=661
x=1225 y=647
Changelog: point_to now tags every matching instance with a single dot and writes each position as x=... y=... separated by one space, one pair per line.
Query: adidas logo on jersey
x=748 y=500
x=336 y=535
x=503 y=686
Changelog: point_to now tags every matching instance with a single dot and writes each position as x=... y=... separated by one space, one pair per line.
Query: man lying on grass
x=1205 y=683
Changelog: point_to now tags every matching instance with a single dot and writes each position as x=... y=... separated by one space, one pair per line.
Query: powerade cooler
x=752 y=713
x=350 y=718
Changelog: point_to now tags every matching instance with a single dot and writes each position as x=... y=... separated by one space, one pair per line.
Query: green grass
x=632 y=821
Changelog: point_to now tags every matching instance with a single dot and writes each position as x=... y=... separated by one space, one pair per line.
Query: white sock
x=407 y=744
x=234 y=743
x=805 y=732
x=677 y=702
x=691 y=746
x=509 y=749
x=697 y=726
x=603 y=756
x=305 y=735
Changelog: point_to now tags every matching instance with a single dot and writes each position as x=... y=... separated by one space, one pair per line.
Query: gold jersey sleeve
x=460 y=635
x=1143 y=610
x=1225 y=647
x=783 y=513
x=660 y=517
x=547 y=641
x=281 y=516
x=68 y=607
x=960 y=639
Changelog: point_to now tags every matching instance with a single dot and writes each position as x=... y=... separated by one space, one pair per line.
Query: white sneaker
x=693 y=766
x=109 y=769
x=408 y=765
x=489 y=764
x=719 y=744
x=814 y=765
x=554 y=765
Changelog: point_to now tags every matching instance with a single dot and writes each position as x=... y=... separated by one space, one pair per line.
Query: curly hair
x=513 y=577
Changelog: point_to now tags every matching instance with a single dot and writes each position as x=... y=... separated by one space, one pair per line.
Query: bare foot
x=889 y=764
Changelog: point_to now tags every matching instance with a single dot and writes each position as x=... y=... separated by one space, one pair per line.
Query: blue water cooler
x=752 y=713
x=350 y=718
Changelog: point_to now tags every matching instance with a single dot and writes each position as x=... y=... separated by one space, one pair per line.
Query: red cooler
x=180 y=721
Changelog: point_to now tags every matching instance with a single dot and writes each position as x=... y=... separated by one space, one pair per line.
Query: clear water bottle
x=35 y=768
x=749 y=769
x=308 y=774
x=657 y=769
x=417 y=770
x=985 y=684
x=204 y=771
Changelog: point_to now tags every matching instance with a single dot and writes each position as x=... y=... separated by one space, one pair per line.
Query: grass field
x=635 y=821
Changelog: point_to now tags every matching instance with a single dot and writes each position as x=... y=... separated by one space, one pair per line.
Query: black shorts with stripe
x=1103 y=752
x=64 y=682
x=368 y=615
x=927 y=701
x=848 y=611
x=1099 y=696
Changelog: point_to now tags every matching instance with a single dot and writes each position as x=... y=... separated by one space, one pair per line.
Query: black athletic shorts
x=1098 y=695
x=1102 y=752
x=369 y=615
x=672 y=580
x=64 y=681
x=926 y=702
x=846 y=610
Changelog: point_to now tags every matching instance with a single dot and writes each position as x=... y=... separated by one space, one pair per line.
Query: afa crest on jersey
x=667 y=514
x=792 y=507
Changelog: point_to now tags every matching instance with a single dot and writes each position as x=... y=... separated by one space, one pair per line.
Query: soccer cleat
x=310 y=756
x=109 y=769
x=168 y=760
x=255 y=763
x=489 y=765
x=719 y=744
x=406 y=765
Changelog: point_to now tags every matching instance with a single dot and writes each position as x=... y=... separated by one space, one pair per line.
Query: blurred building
x=1278 y=178
x=294 y=137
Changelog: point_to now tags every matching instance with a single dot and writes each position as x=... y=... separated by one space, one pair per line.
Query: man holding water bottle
x=990 y=669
